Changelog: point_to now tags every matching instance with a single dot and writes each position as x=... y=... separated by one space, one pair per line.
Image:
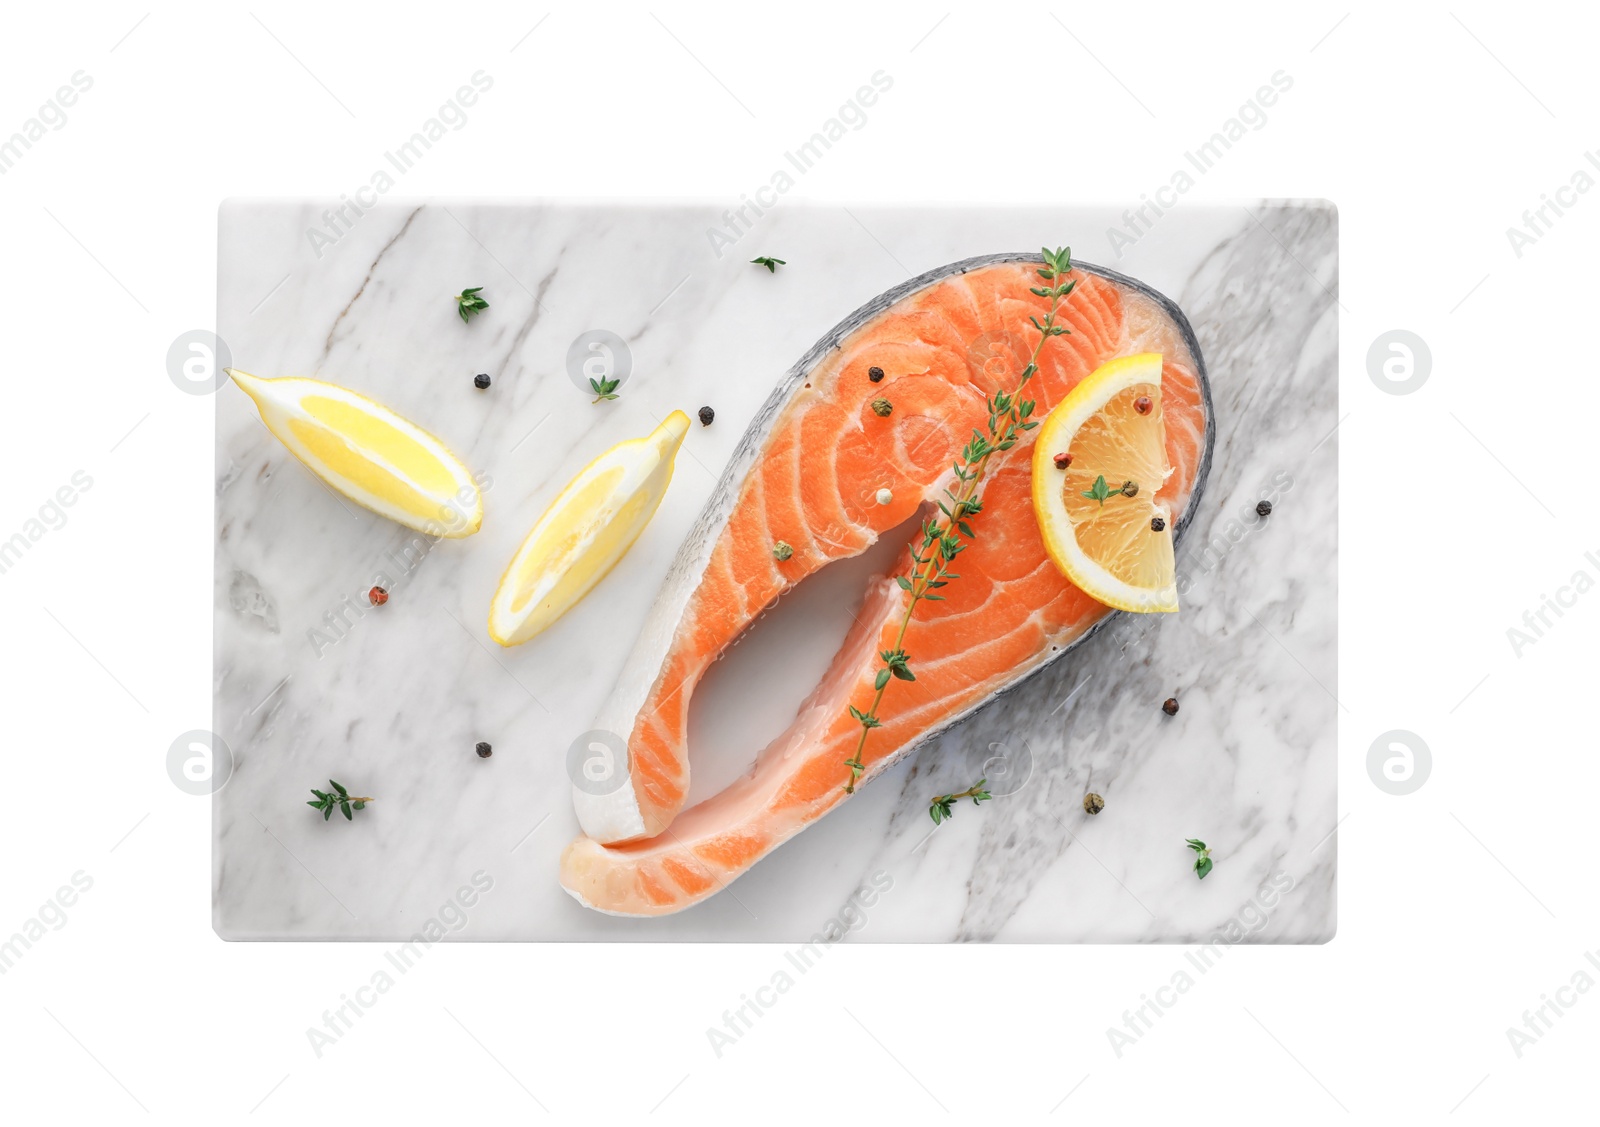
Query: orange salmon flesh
x=816 y=465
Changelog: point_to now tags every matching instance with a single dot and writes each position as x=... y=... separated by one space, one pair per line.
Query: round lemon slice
x=370 y=454
x=590 y=525
x=1097 y=508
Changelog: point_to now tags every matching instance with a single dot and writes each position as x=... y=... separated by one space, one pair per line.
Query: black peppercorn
x=1263 y=508
x=484 y=750
x=481 y=380
x=706 y=415
x=1158 y=524
x=874 y=373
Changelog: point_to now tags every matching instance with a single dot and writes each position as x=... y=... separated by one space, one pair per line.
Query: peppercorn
x=874 y=373
x=1142 y=404
x=1170 y=706
x=1093 y=803
x=781 y=551
x=1158 y=524
x=885 y=497
x=377 y=596
x=1129 y=488
x=706 y=415
x=1063 y=460
x=484 y=750
x=881 y=408
x=481 y=380
x=1263 y=508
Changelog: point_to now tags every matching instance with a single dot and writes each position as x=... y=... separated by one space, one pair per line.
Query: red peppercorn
x=377 y=596
x=1142 y=404
x=1063 y=460
x=1170 y=706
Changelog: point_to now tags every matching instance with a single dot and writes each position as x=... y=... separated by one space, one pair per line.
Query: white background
x=1461 y=904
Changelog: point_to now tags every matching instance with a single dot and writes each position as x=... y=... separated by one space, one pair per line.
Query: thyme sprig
x=1099 y=491
x=604 y=388
x=468 y=302
x=339 y=799
x=943 y=534
x=942 y=808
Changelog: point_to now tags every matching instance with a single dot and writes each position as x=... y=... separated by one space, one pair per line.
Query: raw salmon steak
x=810 y=474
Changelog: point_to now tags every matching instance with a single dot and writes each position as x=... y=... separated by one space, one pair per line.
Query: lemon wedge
x=590 y=525
x=368 y=453
x=1098 y=513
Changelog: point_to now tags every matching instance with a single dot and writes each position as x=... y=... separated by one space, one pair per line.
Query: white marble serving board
x=392 y=701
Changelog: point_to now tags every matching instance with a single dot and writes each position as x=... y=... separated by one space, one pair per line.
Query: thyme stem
x=941 y=539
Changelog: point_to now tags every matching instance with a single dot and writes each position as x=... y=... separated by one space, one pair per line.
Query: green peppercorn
x=781 y=551
x=881 y=408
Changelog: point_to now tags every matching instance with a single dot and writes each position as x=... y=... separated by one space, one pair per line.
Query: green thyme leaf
x=1099 y=491
x=468 y=302
x=338 y=799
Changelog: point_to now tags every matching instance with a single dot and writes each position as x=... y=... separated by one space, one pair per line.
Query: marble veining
x=310 y=682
